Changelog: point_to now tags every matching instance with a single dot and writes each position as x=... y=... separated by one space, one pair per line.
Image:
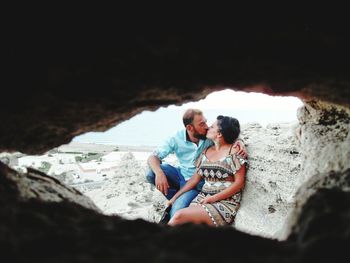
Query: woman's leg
x=194 y=214
x=183 y=201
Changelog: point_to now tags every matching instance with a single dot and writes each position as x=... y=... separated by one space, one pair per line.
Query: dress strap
x=230 y=149
x=199 y=159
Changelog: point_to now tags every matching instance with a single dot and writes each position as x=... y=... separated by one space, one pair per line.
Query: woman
x=224 y=173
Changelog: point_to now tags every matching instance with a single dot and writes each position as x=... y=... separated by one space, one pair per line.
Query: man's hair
x=189 y=114
x=229 y=128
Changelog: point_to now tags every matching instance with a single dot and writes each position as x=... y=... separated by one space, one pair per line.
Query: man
x=187 y=145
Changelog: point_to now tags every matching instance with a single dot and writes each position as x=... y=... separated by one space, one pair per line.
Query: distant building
x=78 y=172
x=97 y=170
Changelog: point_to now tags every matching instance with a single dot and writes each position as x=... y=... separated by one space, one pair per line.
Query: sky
x=229 y=99
x=151 y=128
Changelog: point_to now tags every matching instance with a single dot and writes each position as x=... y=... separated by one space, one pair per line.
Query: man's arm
x=161 y=181
x=154 y=161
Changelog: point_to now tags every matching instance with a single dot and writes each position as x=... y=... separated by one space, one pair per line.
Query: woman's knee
x=178 y=217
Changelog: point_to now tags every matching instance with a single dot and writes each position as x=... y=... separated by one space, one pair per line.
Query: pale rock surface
x=272 y=178
x=128 y=194
x=325 y=141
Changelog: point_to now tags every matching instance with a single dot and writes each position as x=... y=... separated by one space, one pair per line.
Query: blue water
x=152 y=128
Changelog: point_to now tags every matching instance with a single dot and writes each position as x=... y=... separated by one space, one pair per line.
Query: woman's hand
x=208 y=200
x=170 y=202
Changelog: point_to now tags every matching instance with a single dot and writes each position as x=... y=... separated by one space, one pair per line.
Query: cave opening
x=109 y=167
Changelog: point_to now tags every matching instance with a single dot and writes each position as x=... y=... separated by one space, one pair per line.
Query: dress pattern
x=215 y=175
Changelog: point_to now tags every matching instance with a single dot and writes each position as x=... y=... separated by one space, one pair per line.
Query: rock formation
x=97 y=78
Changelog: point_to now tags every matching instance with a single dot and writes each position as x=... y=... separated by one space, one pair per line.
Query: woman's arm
x=190 y=184
x=229 y=191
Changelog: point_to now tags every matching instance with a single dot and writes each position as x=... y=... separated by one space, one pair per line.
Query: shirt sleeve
x=167 y=148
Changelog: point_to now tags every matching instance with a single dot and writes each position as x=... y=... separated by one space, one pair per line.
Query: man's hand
x=241 y=148
x=162 y=183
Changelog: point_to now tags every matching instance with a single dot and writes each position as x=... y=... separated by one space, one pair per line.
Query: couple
x=207 y=185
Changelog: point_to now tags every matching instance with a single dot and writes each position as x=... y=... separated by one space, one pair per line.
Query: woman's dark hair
x=229 y=128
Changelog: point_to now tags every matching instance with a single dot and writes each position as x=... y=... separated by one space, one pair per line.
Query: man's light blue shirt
x=186 y=152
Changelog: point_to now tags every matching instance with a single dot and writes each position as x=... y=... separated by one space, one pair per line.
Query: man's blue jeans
x=176 y=181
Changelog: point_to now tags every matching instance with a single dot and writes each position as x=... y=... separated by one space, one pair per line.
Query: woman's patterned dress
x=215 y=174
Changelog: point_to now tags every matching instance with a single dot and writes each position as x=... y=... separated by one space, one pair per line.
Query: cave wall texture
x=98 y=77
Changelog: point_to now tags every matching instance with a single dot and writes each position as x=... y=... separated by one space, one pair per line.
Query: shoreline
x=102 y=148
